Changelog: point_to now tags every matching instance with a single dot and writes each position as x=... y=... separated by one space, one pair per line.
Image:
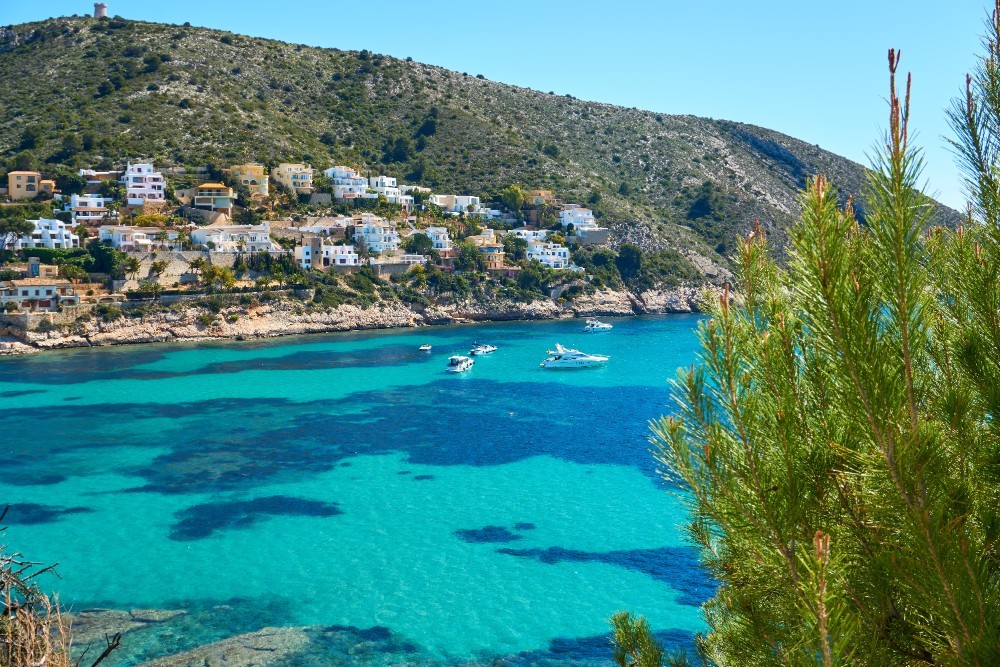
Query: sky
x=814 y=70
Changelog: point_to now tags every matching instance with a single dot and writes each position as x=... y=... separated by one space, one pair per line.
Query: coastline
x=285 y=317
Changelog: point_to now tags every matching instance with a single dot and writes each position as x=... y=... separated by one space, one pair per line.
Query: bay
x=347 y=483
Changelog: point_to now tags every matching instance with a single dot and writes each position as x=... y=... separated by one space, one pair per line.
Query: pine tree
x=838 y=436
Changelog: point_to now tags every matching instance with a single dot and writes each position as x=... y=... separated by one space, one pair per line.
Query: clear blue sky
x=813 y=70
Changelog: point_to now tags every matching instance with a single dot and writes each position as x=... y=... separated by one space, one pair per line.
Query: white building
x=235 y=238
x=456 y=203
x=581 y=218
x=438 y=236
x=138 y=239
x=325 y=226
x=48 y=234
x=347 y=183
x=530 y=234
x=322 y=255
x=377 y=234
x=38 y=293
x=552 y=255
x=89 y=209
x=143 y=184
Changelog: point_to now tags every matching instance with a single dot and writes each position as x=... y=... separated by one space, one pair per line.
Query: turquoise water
x=347 y=480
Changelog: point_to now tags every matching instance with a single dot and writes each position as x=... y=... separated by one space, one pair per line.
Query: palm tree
x=131 y=265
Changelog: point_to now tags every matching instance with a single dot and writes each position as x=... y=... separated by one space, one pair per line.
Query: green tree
x=419 y=244
x=838 y=436
x=629 y=261
x=13 y=228
x=130 y=265
x=515 y=247
x=512 y=197
x=468 y=258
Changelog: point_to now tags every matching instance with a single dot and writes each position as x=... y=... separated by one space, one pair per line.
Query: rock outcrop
x=286 y=317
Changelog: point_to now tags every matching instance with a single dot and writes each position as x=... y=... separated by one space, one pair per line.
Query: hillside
x=82 y=92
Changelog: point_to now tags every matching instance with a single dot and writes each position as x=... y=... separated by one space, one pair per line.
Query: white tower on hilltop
x=100 y=10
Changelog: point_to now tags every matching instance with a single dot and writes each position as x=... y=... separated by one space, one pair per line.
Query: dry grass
x=33 y=634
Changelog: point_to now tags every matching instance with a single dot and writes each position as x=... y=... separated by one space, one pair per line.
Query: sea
x=346 y=484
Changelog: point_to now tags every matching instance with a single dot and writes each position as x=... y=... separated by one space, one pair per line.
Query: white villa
x=377 y=234
x=38 y=293
x=235 y=238
x=552 y=255
x=138 y=239
x=530 y=234
x=49 y=234
x=347 y=183
x=386 y=186
x=581 y=218
x=457 y=203
x=143 y=184
x=89 y=209
x=325 y=226
x=438 y=236
x=317 y=255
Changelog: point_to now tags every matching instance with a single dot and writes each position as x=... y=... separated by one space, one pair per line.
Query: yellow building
x=294 y=176
x=28 y=185
x=253 y=176
x=491 y=249
x=538 y=197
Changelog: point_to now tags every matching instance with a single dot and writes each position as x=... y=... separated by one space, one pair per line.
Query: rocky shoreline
x=290 y=317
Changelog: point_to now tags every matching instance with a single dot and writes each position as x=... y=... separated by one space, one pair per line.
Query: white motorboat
x=459 y=364
x=425 y=348
x=594 y=324
x=563 y=357
x=478 y=349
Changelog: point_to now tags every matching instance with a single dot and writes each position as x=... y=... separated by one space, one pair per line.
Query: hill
x=85 y=92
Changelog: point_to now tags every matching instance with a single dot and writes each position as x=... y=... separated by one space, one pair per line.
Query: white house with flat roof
x=438 y=236
x=49 y=234
x=581 y=218
x=322 y=255
x=143 y=184
x=552 y=255
x=530 y=234
x=90 y=209
x=377 y=234
x=235 y=238
x=347 y=183
x=138 y=239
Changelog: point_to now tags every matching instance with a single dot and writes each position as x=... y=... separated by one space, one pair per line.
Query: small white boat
x=459 y=364
x=563 y=357
x=594 y=324
x=478 y=349
x=425 y=348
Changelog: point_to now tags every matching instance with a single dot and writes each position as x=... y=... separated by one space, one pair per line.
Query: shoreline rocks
x=282 y=317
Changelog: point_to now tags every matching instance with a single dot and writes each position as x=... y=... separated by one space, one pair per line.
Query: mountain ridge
x=178 y=94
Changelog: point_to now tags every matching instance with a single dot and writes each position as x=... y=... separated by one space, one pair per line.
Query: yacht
x=594 y=324
x=562 y=357
x=478 y=349
x=459 y=364
x=425 y=348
